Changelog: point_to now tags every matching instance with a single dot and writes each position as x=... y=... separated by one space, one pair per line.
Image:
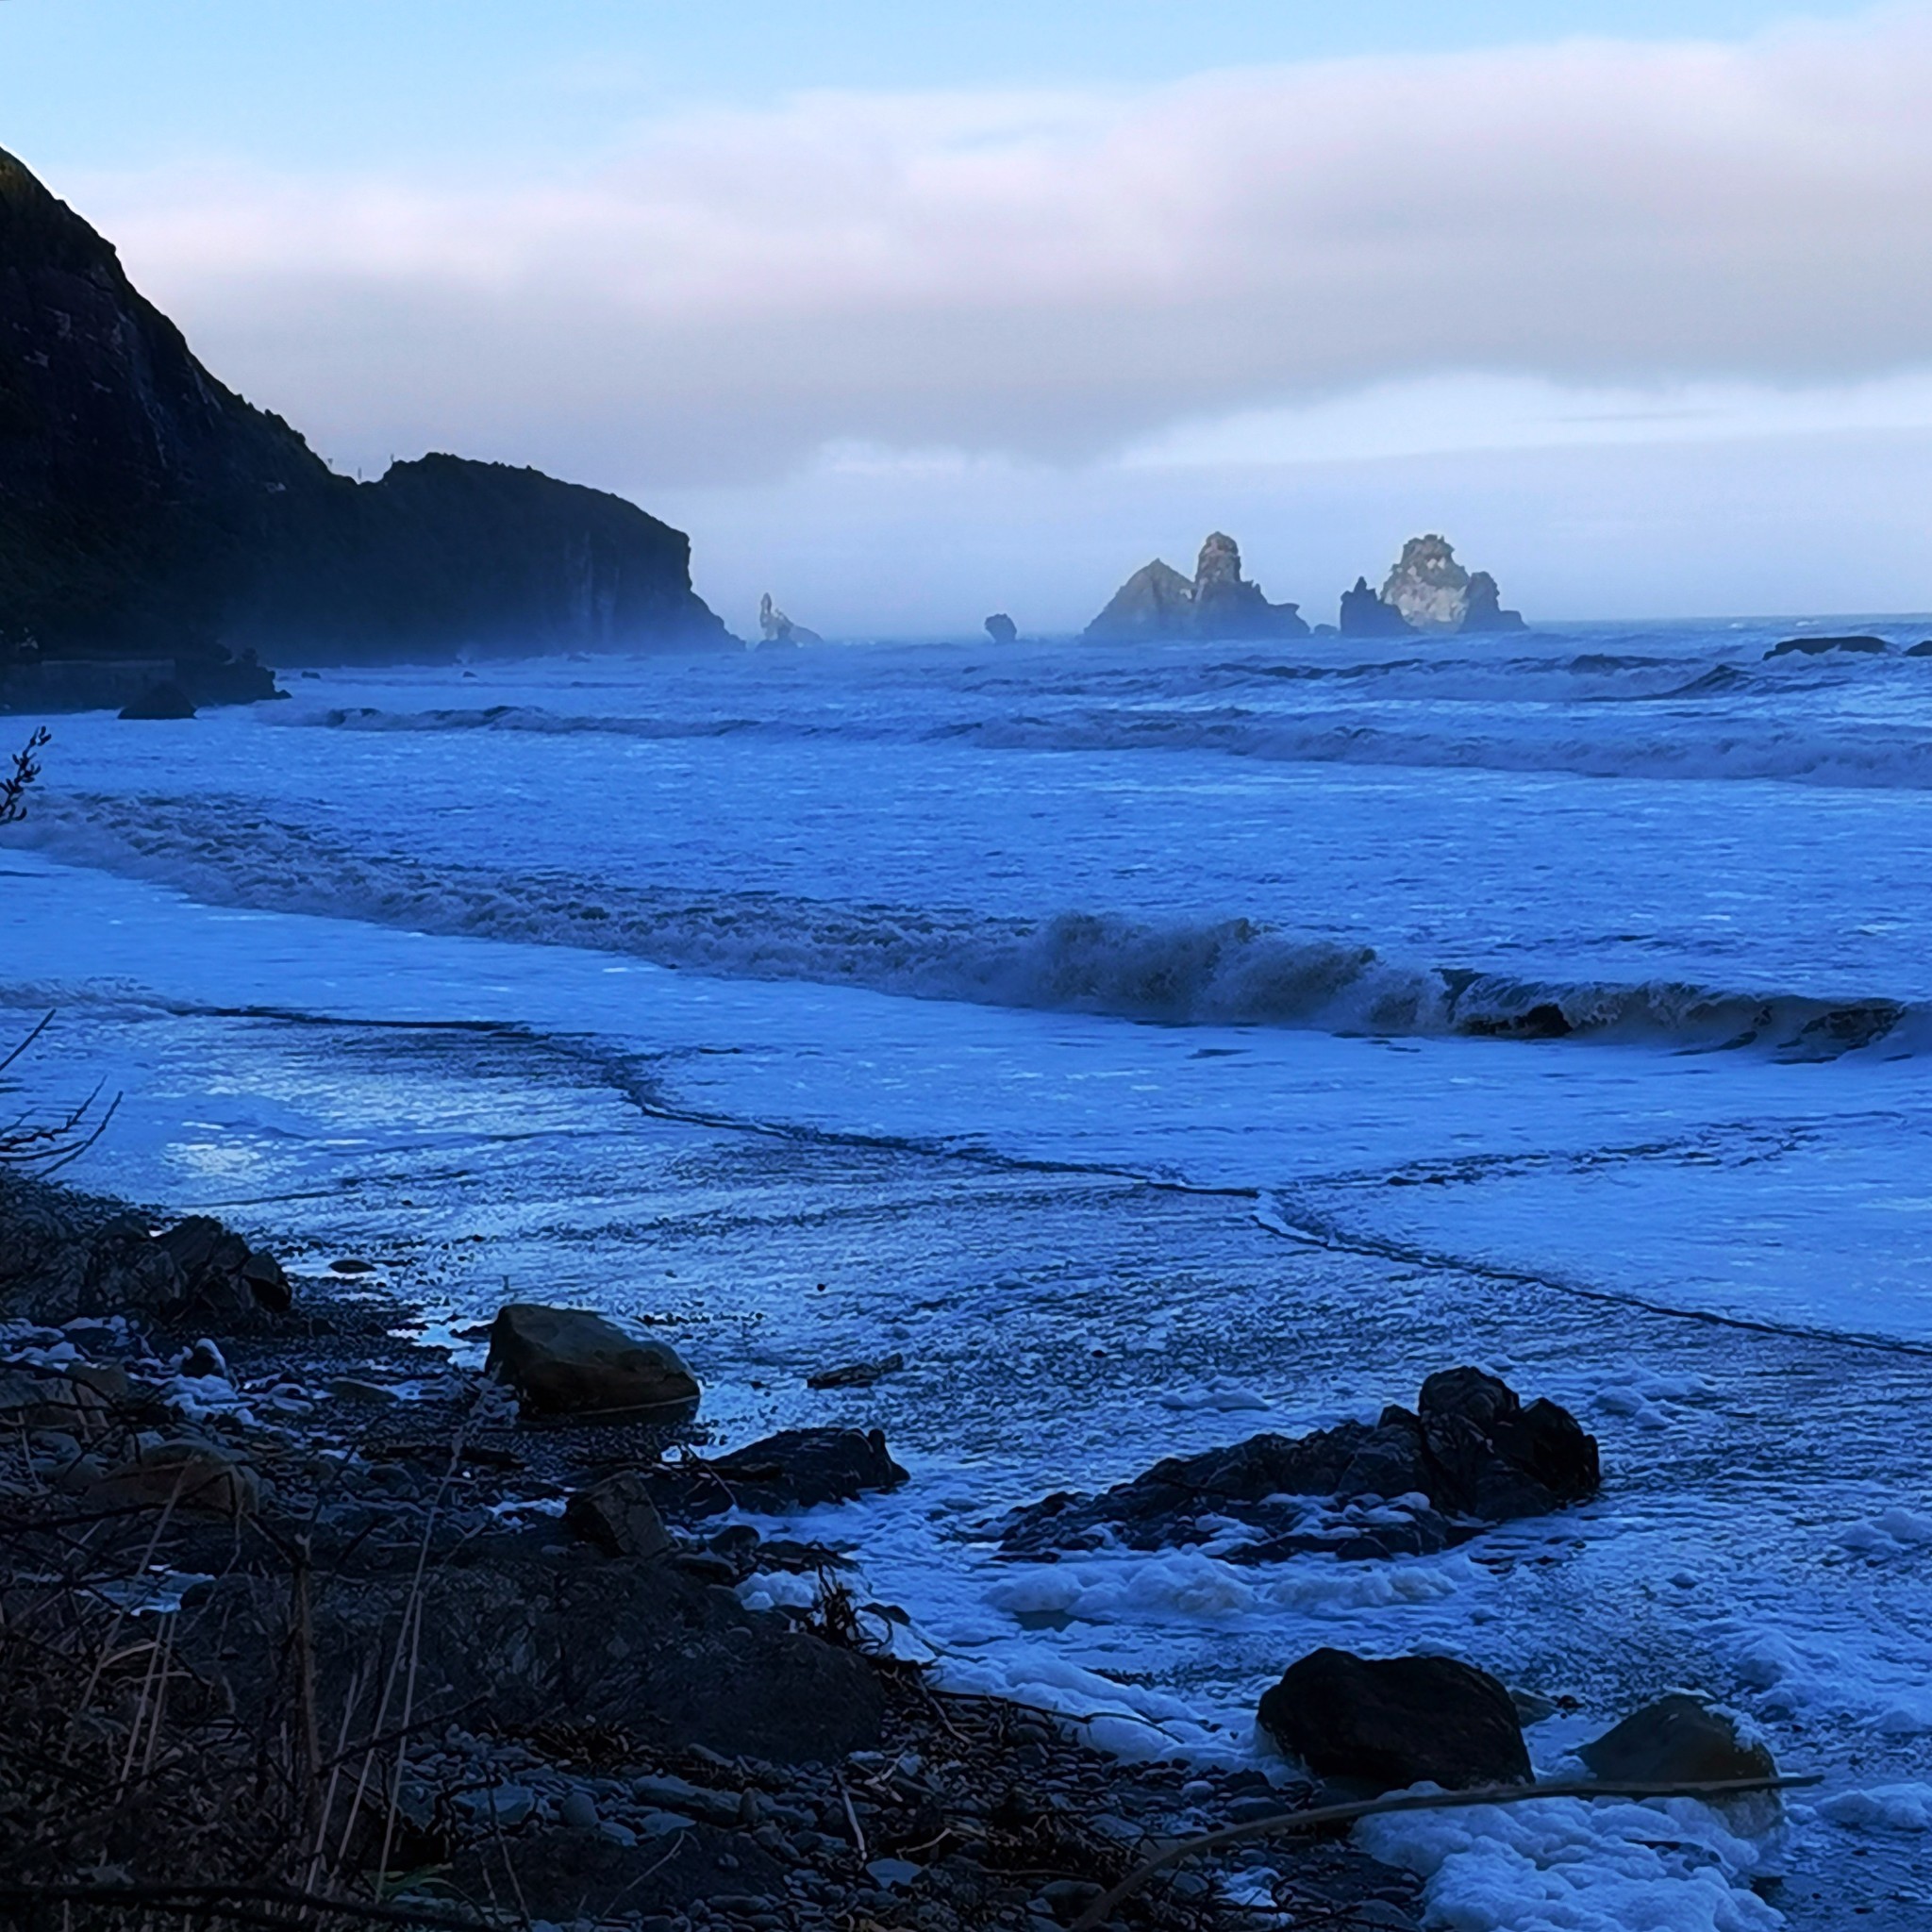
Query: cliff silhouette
x=146 y=509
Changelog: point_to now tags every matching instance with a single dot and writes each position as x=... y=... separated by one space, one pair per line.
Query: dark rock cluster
x=1156 y=603
x=1469 y=1454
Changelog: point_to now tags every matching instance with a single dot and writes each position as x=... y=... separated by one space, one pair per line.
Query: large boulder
x=1408 y=1484
x=796 y=1469
x=1002 y=630
x=1433 y=592
x=1491 y=1457
x=1678 y=1739
x=1389 y=1723
x=572 y=1361
x=222 y=1275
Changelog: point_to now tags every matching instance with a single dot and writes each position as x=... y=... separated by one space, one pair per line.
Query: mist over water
x=1153 y=1045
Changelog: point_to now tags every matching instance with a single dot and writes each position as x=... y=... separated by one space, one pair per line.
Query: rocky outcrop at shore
x=146 y=509
x=1431 y=591
x=378 y=1654
x=1002 y=630
x=1470 y=1455
x=1157 y=603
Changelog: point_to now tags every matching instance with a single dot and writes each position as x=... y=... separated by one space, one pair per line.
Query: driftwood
x=1104 y=1908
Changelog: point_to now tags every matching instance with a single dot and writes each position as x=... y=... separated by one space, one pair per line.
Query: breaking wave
x=1851 y=754
x=1224 y=973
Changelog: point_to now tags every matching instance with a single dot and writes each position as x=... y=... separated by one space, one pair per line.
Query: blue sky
x=907 y=311
x=126 y=83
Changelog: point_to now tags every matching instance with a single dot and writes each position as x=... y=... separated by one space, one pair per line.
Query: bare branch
x=26 y=767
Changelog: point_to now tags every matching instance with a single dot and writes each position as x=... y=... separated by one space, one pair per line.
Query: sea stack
x=1158 y=604
x=776 y=631
x=1433 y=592
x=1002 y=630
x=1365 y=615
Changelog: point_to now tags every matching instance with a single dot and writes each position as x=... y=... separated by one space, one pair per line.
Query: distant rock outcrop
x=1817 y=647
x=147 y=511
x=1002 y=630
x=1433 y=592
x=777 y=630
x=1157 y=603
x=1365 y=615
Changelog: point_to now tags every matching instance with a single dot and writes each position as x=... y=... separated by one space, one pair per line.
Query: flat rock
x=1389 y=1723
x=796 y=1469
x=572 y=1361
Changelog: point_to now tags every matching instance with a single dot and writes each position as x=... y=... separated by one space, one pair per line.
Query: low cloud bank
x=1059 y=276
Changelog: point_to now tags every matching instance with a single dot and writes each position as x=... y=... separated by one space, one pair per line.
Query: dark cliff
x=145 y=508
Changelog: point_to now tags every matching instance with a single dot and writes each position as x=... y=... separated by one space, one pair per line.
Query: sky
x=909 y=313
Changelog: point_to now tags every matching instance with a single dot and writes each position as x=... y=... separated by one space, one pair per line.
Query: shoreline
x=341 y=1506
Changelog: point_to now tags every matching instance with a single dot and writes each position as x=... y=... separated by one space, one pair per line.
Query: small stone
x=577 y=1809
x=895 y=1875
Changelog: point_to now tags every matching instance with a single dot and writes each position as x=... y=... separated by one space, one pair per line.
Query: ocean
x=1152 y=1046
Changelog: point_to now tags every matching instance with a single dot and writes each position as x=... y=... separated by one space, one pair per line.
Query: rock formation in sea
x=1002 y=630
x=147 y=512
x=777 y=632
x=1433 y=592
x=1159 y=603
x=1365 y=615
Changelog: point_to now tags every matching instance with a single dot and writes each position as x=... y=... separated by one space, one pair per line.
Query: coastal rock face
x=1365 y=615
x=570 y=1361
x=1001 y=629
x=1433 y=592
x=145 y=510
x=1157 y=603
x=1389 y=1722
x=1468 y=1456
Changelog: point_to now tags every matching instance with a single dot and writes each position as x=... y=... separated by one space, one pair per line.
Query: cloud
x=1059 y=276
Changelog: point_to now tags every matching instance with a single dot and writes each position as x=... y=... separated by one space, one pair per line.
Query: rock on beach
x=571 y=1361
